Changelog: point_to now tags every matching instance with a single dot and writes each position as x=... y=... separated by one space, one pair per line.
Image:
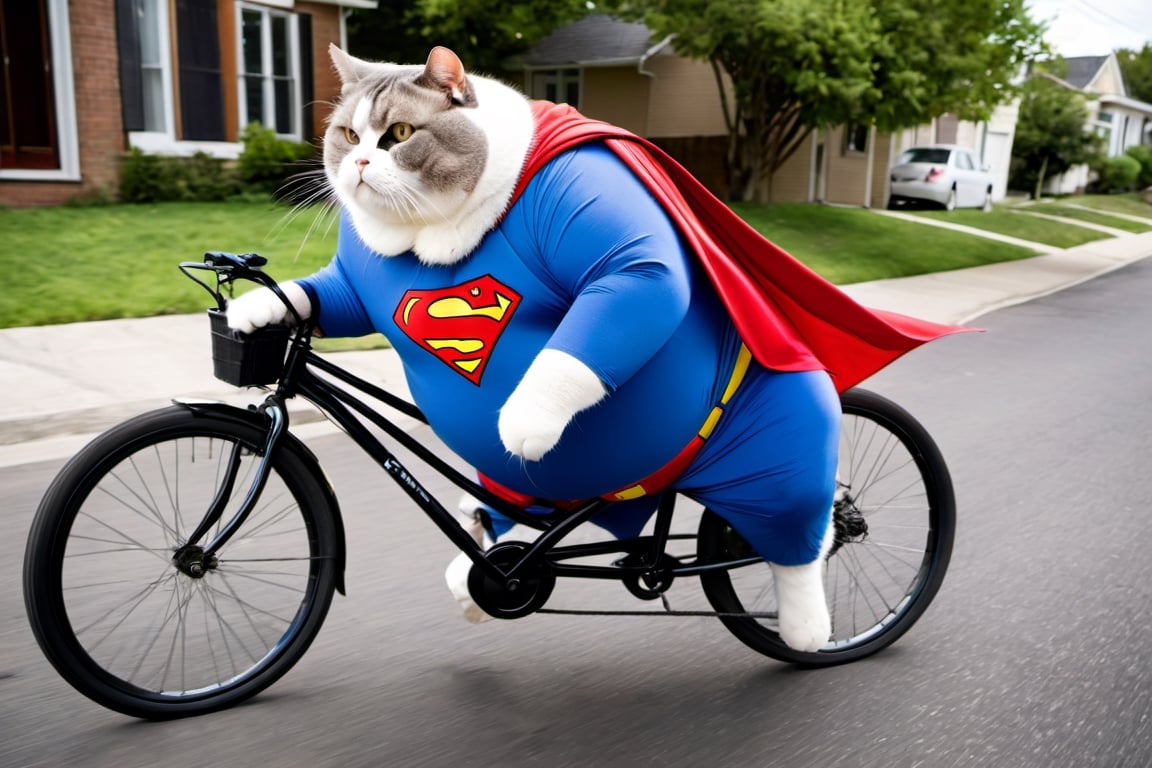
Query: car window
x=964 y=161
x=925 y=155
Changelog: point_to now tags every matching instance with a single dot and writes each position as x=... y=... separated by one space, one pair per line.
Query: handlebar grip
x=243 y=260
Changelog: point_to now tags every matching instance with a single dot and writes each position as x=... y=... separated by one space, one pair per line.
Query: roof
x=1082 y=70
x=595 y=40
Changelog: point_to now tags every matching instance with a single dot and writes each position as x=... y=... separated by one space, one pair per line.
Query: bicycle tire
x=122 y=623
x=878 y=583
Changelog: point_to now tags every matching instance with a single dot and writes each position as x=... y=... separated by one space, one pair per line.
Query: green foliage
x=1118 y=174
x=1136 y=69
x=1143 y=155
x=267 y=160
x=485 y=35
x=148 y=178
x=1050 y=134
x=798 y=65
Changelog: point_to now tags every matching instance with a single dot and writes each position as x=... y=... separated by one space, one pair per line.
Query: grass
x=1130 y=203
x=851 y=245
x=1006 y=221
x=70 y=264
x=1096 y=216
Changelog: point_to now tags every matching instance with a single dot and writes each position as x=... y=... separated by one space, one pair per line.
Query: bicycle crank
x=516 y=597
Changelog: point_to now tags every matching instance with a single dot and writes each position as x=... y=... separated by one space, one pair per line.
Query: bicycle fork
x=195 y=560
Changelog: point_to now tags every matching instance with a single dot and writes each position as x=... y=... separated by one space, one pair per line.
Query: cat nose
x=361 y=164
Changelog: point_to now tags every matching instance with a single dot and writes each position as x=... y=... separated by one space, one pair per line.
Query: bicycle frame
x=319 y=381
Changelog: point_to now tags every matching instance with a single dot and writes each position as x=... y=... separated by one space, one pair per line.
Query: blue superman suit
x=587 y=262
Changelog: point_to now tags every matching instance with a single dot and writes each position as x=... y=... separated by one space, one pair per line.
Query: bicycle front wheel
x=894 y=519
x=112 y=598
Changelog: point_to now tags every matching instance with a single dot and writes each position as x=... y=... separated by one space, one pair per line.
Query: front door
x=27 y=112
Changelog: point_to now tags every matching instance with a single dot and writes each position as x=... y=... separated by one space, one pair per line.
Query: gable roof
x=1082 y=70
x=595 y=40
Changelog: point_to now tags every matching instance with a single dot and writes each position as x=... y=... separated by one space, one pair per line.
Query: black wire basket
x=247 y=359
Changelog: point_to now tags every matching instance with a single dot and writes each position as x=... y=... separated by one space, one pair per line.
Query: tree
x=483 y=34
x=1136 y=68
x=1050 y=133
x=390 y=32
x=800 y=65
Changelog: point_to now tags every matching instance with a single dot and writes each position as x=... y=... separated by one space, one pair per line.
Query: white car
x=947 y=175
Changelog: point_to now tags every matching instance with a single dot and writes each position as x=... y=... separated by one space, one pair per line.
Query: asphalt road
x=1036 y=652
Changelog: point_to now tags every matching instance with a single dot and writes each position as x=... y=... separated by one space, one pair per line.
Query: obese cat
x=557 y=331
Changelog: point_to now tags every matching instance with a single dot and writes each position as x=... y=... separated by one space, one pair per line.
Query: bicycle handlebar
x=230 y=267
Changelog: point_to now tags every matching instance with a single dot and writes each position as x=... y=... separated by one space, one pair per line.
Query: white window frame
x=266 y=66
x=560 y=77
x=64 y=102
x=161 y=140
x=165 y=142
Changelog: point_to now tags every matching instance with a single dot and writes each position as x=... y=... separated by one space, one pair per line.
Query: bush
x=1119 y=174
x=1143 y=155
x=156 y=178
x=268 y=161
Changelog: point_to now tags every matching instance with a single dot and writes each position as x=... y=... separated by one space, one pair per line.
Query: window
x=152 y=25
x=964 y=161
x=855 y=138
x=269 y=70
x=559 y=85
x=169 y=67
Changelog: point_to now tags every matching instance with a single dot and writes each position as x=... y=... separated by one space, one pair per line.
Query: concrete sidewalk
x=64 y=383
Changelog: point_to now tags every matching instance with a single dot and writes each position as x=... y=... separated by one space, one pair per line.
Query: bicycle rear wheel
x=895 y=519
x=134 y=628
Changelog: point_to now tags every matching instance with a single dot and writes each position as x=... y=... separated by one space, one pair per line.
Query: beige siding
x=617 y=95
x=790 y=183
x=847 y=171
x=1107 y=80
x=882 y=160
x=684 y=99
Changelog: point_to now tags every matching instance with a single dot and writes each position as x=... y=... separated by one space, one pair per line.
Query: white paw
x=804 y=621
x=529 y=430
x=261 y=307
x=457 y=577
x=554 y=389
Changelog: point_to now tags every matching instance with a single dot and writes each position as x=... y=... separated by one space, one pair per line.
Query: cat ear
x=445 y=71
x=351 y=69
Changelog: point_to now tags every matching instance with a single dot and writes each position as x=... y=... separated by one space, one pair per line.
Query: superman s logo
x=461 y=324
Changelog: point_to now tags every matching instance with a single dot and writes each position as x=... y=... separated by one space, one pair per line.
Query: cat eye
x=351 y=136
x=401 y=131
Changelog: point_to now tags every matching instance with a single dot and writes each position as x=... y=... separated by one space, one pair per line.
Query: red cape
x=791 y=318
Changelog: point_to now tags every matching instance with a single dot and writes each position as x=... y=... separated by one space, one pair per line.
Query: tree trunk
x=1040 y=178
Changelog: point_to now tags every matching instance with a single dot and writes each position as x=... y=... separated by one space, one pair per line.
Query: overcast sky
x=1095 y=27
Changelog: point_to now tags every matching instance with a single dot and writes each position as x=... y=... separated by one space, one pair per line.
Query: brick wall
x=99 y=125
x=326 y=87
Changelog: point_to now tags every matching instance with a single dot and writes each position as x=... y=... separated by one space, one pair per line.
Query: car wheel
x=950 y=205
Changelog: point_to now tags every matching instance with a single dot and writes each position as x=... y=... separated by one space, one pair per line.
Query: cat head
x=424 y=158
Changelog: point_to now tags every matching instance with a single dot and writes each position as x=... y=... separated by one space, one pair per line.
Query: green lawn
x=92 y=263
x=1129 y=203
x=1097 y=216
x=1006 y=221
x=70 y=264
x=852 y=245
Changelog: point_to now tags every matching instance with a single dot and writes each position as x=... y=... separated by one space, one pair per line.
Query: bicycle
x=184 y=560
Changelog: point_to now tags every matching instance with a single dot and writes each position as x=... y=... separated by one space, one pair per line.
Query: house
x=1122 y=121
x=614 y=71
x=86 y=80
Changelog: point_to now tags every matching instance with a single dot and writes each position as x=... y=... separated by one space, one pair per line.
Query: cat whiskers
x=307 y=190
